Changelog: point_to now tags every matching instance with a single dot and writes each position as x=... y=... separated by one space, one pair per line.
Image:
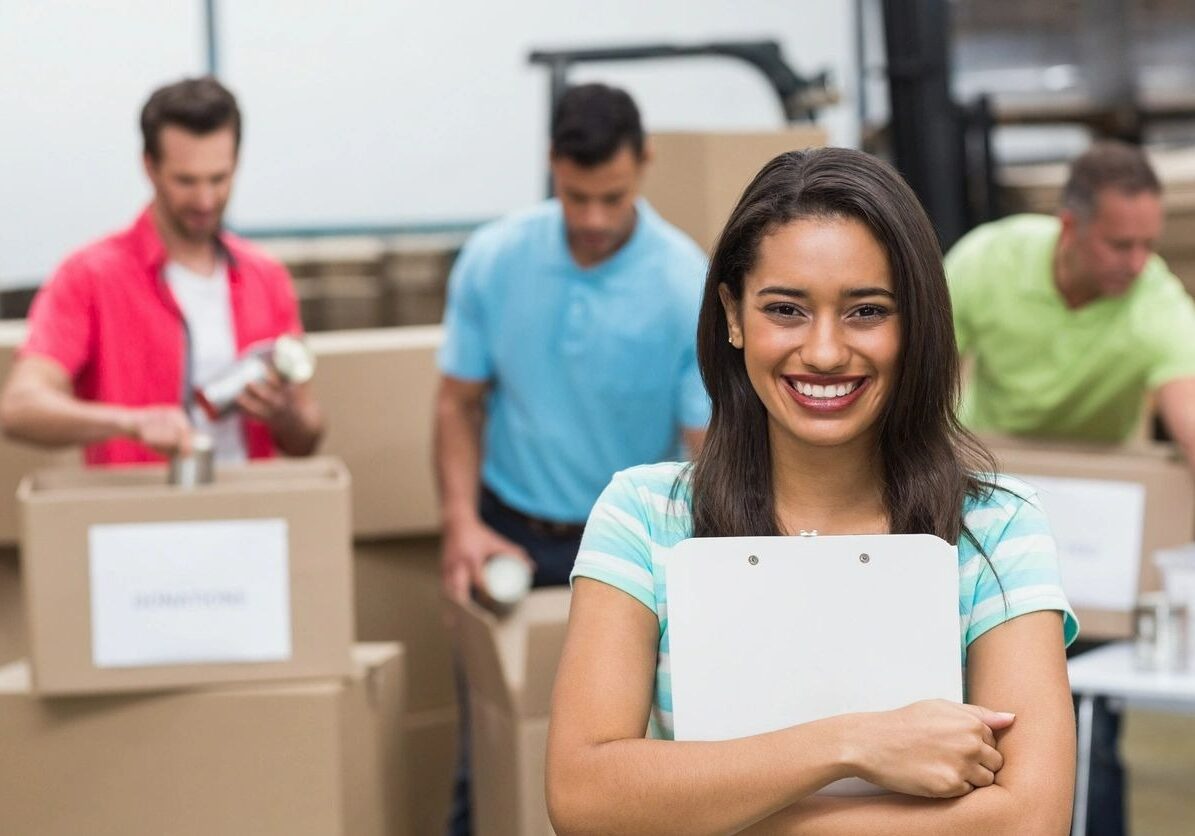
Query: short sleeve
x=465 y=351
x=60 y=321
x=1020 y=573
x=1171 y=335
x=616 y=547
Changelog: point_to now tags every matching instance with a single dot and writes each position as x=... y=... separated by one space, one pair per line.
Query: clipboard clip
x=804 y=533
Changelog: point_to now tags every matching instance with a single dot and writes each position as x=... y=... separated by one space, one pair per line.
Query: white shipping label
x=189 y=592
x=1098 y=525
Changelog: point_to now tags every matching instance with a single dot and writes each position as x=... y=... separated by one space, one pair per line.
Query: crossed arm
x=603 y=776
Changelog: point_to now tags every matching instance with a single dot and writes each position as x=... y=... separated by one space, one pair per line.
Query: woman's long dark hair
x=929 y=461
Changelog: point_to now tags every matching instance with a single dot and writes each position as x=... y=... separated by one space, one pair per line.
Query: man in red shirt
x=129 y=326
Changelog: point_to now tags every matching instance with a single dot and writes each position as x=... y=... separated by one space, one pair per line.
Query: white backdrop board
x=361 y=112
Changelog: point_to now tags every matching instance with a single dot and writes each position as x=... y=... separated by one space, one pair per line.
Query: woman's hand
x=933 y=748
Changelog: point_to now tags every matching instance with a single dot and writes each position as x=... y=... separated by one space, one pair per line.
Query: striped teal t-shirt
x=637 y=521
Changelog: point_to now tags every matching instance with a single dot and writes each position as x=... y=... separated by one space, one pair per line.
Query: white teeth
x=812 y=390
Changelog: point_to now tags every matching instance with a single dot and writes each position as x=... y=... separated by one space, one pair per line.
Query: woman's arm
x=1019 y=665
x=604 y=777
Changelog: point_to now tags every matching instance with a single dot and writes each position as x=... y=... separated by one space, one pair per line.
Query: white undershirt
x=205 y=305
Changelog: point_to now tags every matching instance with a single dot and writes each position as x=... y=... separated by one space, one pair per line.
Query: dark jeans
x=554 y=558
x=1105 y=790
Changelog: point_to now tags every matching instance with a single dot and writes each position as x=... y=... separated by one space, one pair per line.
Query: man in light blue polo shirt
x=569 y=350
x=569 y=354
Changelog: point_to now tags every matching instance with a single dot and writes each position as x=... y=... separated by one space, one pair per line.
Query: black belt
x=546 y=528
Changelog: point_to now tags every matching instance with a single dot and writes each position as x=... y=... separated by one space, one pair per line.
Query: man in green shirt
x=1071 y=322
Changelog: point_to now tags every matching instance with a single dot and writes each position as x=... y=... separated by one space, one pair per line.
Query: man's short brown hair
x=1108 y=164
x=199 y=105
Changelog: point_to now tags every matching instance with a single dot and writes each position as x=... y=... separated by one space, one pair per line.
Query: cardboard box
x=510 y=664
x=131 y=584
x=1101 y=474
x=350 y=302
x=398 y=598
x=417 y=281
x=314 y=757
x=429 y=750
x=12 y=608
x=16 y=458
x=377 y=390
x=695 y=178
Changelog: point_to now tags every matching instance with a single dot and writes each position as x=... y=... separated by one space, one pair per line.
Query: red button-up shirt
x=109 y=319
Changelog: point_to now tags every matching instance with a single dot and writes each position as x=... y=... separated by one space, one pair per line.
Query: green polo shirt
x=1043 y=369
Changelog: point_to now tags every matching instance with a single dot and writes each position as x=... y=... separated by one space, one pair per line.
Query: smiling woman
x=826 y=344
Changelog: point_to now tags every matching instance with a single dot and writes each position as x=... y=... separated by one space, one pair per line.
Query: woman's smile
x=831 y=393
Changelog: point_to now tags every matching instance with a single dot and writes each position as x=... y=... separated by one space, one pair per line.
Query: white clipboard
x=769 y=632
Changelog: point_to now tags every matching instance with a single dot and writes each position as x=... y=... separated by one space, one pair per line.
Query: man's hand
x=271 y=400
x=164 y=429
x=466 y=548
x=288 y=409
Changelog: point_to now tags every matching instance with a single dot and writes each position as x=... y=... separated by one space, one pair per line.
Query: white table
x=1109 y=671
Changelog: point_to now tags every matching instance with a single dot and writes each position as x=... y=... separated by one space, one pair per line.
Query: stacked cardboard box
x=369 y=281
x=398 y=599
x=377 y=390
x=142 y=592
x=12 y=609
x=132 y=584
x=17 y=459
x=510 y=662
x=696 y=177
x=386 y=445
x=1110 y=509
x=317 y=757
x=415 y=269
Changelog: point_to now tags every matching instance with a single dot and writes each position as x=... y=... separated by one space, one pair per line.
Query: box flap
x=511 y=660
x=80 y=483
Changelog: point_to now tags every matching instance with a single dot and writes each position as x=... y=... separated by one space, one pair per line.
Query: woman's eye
x=783 y=309
x=870 y=311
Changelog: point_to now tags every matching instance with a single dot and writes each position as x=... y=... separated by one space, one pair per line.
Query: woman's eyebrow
x=861 y=292
x=850 y=293
x=780 y=290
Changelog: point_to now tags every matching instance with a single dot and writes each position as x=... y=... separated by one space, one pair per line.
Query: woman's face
x=819 y=330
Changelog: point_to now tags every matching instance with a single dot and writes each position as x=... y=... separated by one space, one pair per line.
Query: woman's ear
x=734 y=324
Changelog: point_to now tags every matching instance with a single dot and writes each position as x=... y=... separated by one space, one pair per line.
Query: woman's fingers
x=980 y=776
x=991 y=759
